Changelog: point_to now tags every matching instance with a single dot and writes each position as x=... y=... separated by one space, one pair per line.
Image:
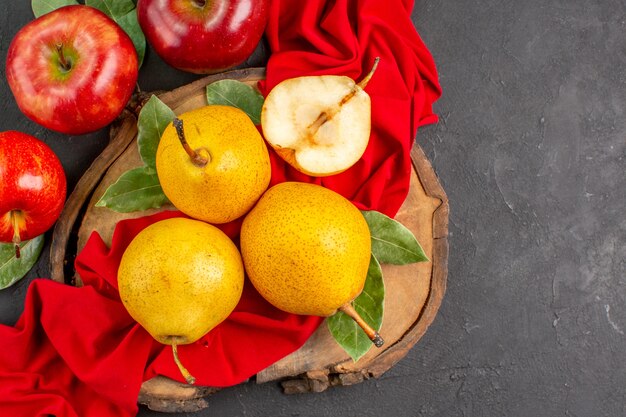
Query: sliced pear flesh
x=318 y=124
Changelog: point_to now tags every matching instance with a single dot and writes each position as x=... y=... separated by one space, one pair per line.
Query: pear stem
x=15 y=221
x=325 y=116
x=363 y=83
x=369 y=331
x=186 y=374
x=196 y=158
x=65 y=65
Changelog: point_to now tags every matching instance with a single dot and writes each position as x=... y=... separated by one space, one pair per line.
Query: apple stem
x=363 y=83
x=200 y=3
x=15 y=221
x=196 y=158
x=186 y=374
x=369 y=331
x=64 y=64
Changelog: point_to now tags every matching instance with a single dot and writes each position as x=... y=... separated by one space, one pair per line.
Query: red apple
x=203 y=36
x=32 y=187
x=72 y=70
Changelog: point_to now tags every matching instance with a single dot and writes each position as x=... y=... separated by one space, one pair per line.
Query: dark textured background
x=530 y=150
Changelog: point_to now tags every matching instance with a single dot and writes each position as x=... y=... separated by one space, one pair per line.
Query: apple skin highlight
x=203 y=36
x=72 y=70
x=32 y=186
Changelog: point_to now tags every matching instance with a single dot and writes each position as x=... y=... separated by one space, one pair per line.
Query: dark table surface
x=530 y=150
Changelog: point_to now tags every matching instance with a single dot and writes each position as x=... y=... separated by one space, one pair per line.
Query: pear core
x=320 y=125
x=291 y=110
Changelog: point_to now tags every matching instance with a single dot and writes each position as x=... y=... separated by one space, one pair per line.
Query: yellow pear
x=306 y=249
x=318 y=124
x=179 y=278
x=213 y=164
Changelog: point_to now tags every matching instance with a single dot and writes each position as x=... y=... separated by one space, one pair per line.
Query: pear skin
x=213 y=165
x=307 y=249
x=179 y=278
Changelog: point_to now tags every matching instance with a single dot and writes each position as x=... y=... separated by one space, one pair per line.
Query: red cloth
x=76 y=352
x=343 y=37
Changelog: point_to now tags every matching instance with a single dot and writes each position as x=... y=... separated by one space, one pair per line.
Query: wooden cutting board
x=413 y=292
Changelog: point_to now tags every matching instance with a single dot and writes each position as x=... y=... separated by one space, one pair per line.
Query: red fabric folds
x=343 y=37
x=76 y=352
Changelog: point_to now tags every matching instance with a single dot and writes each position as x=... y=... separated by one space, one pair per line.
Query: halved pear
x=320 y=125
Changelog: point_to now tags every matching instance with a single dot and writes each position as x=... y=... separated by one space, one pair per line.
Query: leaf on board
x=392 y=242
x=153 y=119
x=135 y=190
x=236 y=94
x=369 y=304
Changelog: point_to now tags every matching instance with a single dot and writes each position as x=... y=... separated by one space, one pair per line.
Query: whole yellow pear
x=179 y=278
x=215 y=165
x=306 y=248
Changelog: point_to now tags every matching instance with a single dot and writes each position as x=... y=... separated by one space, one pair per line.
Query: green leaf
x=393 y=243
x=130 y=24
x=124 y=13
x=112 y=8
x=369 y=305
x=153 y=119
x=236 y=94
x=139 y=189
x=135 y=190
x=13 y=269
x=41 y=7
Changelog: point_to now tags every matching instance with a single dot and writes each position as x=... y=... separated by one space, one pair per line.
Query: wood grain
x=413 y=292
